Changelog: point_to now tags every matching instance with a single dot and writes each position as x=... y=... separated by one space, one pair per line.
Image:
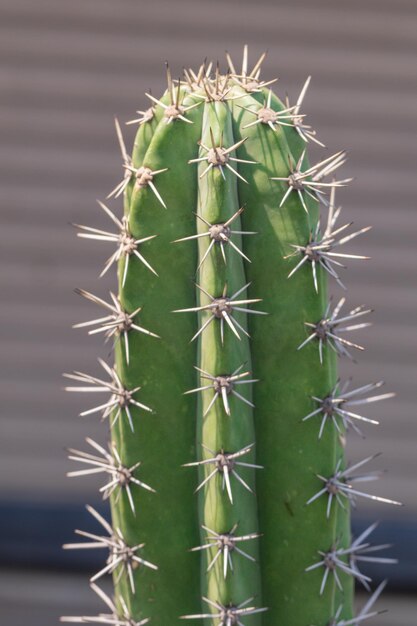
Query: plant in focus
x=229 y=490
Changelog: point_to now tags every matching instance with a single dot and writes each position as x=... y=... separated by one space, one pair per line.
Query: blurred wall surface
x=66 y=69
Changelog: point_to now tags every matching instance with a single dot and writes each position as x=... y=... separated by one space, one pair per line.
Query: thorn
x=109 y=462
x=319 y=250
x=121 y=399
x=145 y=116
x=227 y=614
x=249 y=80
x=125 y=242
x=118 y=323
x=327 y=329
x=222 y=307
x=219 y=157
x=120 y=556
x=144 y=178
x=226 y=546
x=334 y=561
x=175 y=110
x=223 y=386
x=225 y=465
x=120 y=616
x=341 y=485
x=305 y=131
x=339 y=402
x=309 y=181
x=126 y=162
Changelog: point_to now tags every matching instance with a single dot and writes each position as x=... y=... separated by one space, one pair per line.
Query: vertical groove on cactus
x=225 y=383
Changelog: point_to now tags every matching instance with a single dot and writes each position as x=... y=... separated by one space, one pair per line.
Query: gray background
x=66 y=68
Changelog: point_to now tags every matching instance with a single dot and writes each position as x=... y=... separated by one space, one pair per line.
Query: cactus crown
x=229 y=490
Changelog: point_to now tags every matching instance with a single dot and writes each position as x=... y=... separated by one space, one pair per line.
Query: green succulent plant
x=229 y=491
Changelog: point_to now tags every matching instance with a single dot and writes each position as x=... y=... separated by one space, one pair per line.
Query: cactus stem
x=228 y=615
x=325 y=331
x=126 y=243
x=120 y=398
x=225 y=464
x=242 y=154
x=120 y=554
x=223 y=386
x=226 y=545
x=341 y=484
x=121 y=618
x=337 y=403
x=221 y=308
x=118 y=323
x=109 y=462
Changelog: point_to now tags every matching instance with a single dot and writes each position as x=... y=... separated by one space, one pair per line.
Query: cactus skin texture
x=227 y=377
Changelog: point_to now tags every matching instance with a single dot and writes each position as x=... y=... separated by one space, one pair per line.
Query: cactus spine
x=226 y=363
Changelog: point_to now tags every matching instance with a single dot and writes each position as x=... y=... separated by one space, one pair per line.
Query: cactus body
x=230 y=360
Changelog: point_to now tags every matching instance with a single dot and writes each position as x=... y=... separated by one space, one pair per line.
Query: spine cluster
x=226 y=347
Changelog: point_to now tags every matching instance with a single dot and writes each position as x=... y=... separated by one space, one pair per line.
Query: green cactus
x=225 y=381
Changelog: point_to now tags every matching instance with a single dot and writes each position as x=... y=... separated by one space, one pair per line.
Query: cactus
x=229 y=490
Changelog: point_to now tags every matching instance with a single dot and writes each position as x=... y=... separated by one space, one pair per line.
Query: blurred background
x=66 y=69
